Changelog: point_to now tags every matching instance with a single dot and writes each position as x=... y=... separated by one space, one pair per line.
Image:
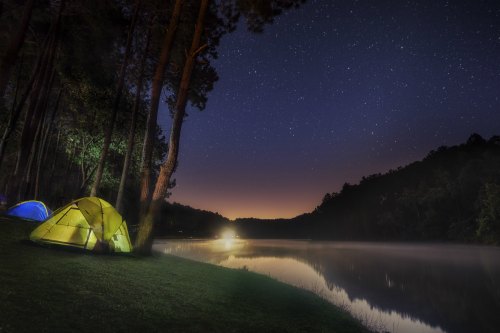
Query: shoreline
x=62 y=290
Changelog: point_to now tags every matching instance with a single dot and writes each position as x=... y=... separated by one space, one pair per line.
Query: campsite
x=250 y=166
x=61 y=290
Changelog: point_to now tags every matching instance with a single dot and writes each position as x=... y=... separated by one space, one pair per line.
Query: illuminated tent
x=88 y=223
x=31 y=210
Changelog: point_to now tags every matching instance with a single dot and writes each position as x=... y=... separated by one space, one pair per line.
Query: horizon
x=329 y=93
x=357 y=182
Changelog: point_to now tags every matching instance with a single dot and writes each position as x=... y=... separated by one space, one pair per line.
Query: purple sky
x=334 y=91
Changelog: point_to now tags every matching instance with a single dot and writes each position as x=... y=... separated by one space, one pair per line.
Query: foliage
x=488 y=220
x=88 y=58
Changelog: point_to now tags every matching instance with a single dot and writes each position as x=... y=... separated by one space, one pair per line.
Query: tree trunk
x=144 y=240
x=149 y=136
x=15 y=44
x=16 y=113
x=86 y=172
x=116 y=104
x=43 y=145
x=70 y=162
x=36 y=146
x=38 y=120
x=55 y=157
x=13 y=116
x=35 y=108
x=84 y=182
x=131 y=134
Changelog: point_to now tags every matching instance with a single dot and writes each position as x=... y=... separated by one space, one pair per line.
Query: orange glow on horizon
x=264 y=196
x=263 y=207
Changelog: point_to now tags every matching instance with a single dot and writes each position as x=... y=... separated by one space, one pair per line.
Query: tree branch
x=200 y=49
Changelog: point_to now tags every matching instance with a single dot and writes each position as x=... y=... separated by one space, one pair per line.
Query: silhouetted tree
x=156 y=87
x=108 y=132
x=488 y=230
x=133 y=124
x=8 y=61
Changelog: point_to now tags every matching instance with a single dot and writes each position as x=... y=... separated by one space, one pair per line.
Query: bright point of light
x=228 y=234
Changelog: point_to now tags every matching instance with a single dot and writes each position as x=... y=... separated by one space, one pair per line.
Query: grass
x=51 y=290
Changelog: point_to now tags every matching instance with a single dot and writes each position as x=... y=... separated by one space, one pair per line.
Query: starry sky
x=334 y=91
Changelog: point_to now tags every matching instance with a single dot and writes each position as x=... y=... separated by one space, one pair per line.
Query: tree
x=34 y=114
x=488 y=221
x=14 y=114
x=133 y=124
x=144 y=238
x=9 y=59
x=156 y=88
x=257 y=16
x=116 y=103
x=44 y=144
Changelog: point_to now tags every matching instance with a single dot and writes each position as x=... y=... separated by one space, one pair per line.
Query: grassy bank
x=52 y=290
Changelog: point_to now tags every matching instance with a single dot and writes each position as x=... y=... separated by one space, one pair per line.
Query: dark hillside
x=453 y=194
x=184 y=221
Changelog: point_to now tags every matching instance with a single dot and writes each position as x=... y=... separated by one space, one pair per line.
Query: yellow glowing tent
x=88 y=223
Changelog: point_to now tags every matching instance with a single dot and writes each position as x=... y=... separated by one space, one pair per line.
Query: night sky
x=334 y=91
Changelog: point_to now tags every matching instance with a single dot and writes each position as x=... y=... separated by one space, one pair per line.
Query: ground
x=51 y=290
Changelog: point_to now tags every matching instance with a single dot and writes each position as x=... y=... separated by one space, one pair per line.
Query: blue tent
x=32 y=210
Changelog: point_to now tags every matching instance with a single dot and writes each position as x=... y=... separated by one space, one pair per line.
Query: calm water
x=390 y=287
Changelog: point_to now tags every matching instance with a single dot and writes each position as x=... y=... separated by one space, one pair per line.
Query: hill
x=453 y=194
x=184 y=221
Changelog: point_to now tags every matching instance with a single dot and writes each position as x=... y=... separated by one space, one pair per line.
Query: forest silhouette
x=453 y=194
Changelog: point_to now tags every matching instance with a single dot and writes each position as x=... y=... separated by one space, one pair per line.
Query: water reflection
x=392 y=287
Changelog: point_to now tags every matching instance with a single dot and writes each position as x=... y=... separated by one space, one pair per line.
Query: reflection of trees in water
x=459 y=294
x=456 y=288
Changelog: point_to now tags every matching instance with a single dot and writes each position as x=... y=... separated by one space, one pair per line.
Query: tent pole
x=87 y=240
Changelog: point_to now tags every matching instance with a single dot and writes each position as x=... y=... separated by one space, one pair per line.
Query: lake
x=390 y=287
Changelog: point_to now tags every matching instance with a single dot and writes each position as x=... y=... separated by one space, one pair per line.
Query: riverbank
x=55 y=290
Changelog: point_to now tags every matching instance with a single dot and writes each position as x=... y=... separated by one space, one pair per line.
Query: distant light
x=228 y=234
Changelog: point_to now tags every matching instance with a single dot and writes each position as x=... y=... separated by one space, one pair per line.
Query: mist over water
x=388 y=286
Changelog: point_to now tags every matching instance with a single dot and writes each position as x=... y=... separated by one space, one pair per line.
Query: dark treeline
x=183 y=221
x=453 y=194
x=81 y=84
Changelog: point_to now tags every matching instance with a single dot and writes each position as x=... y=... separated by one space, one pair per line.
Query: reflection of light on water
x=226 y=244
x=202 y=250
x=301 y=275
